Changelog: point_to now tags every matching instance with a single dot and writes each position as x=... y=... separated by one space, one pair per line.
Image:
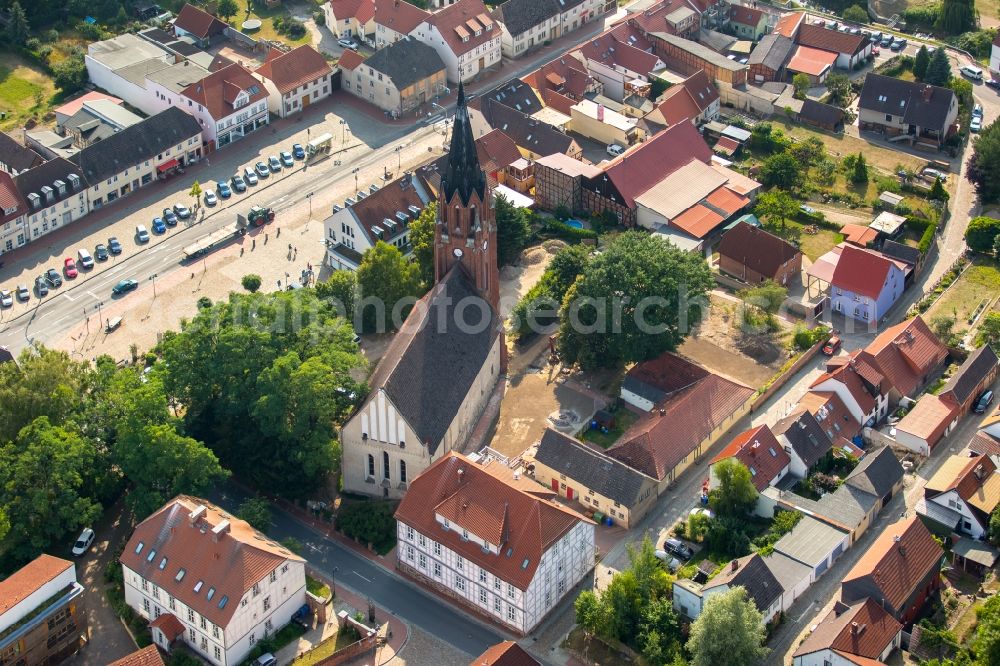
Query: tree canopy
x=856 y=14
x=938 y=69
x=540 y=306
x=780 y=170
x=636 y=300
x=512 y=230
x=422 y=240
x=735 y=494
x=984 y=165
x=921 y=62
x=777 y=206
x=389 y=285
x=729 y=630
x=981 y=233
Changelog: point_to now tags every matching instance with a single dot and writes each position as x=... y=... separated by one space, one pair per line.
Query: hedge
x=927 y=238
x=567 y=233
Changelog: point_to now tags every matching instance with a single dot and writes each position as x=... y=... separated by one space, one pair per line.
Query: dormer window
x=152 y=554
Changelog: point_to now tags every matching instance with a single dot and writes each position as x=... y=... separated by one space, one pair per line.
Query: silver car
x=6 y=299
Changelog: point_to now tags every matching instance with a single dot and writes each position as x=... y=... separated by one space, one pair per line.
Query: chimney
x=926 y=93
x=197 y=513
x=978 y=471
x=735 y=565
x=854 y=628
x=219 y=530
x=461 y=475
x=600 y=112
x=663 y=412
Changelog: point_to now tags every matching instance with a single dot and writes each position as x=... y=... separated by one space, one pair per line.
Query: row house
x=850 y=634
x=199 y=25
x=350 y=19
x=747 y=22
x=229 y=104
x=527 y=24
x=395 y=19
x=295 y=79
x=492 y=542
x=12 y=210
x=465 y=37
x=618 y=66
x=682 y=18
x=760 y=452
x=398 y=78
x=209 y=581
x=16 y=157
x=56 y=195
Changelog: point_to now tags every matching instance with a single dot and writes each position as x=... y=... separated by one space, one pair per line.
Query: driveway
x=108 y=639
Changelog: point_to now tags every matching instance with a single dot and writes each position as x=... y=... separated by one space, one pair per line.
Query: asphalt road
x=363 y=577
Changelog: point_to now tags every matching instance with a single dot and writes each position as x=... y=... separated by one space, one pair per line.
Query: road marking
x=68 y=297
x=805 y=612
x=92 y=294
x=367 y=580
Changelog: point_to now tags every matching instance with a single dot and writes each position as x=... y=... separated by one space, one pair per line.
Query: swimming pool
x=576 y=224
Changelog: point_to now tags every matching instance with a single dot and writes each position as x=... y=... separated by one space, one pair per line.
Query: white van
x=971 y=72
x=86 y=261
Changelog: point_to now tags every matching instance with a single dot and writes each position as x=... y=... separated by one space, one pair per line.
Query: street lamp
x=309 y=198
x=399 y=158
x=333 y=582
x=153 y=280
x=343 y=132
x=355 y=172
x=100 y=311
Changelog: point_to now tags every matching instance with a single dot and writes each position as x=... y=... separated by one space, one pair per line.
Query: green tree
x=255 y=511
x=592 y=614
x=341 y=291
x=856 y=14
x=389 y=287
x=18 y=29
x=735 y=494
x=938 y=193
x=994 y=528
x=809 y=152
x=776 y=206
x=943 y=327
x=251 y=282
x=986 y=643
x=227 y=9
x=46 y=487
x=956 y=17
x=42 y=383
x=984 y=165
x=637 y=299
x=195 y=192
x=763 y=301
x=989 y=331
x=422 y=240
x=730 y=630
x=70 y=74
x=540 y=306
x=780 y=170
x=938 y=69
x=859 y=170
x=659 y=629
x=512 y=231
x=982 y=233
x=920 y=62
x=839 y=87
x=801 y=83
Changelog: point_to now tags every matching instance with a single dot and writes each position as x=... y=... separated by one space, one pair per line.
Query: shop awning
x=166 y=166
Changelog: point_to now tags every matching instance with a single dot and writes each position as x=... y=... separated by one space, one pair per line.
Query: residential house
x=750 y=572
x=527 y=24
x=14 y=157
x=760 y=452
x=695 y=99
x=920 y=113
x=908 y=355
x=70 y=108
x=674 y=17
x=507 y=653
x=465 y=37
x=351 y=19
x=649 y=383
x=582 y=472
x=753 y=255
x=976 y=374
x=995 y=56
x=398 y=78
x=681 y=427
x=861 y=388
x=849 y=49
x=395 y=19
x=199 y=25
x=793 y=576
x=768 y=59
x=803 y=439
x=96 y=121
x=502 y=162
x=747 y=22
x=43 y=617
x=815 y=544
x=574 y=14
x=866 y=284
x=515 y=93
x=815 y=64
x=533 y=137
x=824 y=116
x=619 y=67
x=832 y=415
x=559 y=181
x=56 y=195
x=862 y=634
x=687 y=57
x=13 y=208
x=899 y=571
x=563 y=82
x=788 y=24
x=208 y=580
x=383 y=215
x=961 y=496
x=492 y=543
x=147 y=656
x=119 y=66
x=295 y=79
x=604 y=125
x=229 y=103
x=139 y=155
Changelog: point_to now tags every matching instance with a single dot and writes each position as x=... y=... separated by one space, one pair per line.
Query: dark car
x=101 y=252
x=53 y=278
x=124 y=287
x=114 y=246
x=678 y=548
x=984 y=401
x=239 y=184
x=993 y=83
x=169 y=217
x=298 y=151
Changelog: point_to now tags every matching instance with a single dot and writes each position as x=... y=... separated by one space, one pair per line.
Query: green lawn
x=982 y=280
x=812 y=245
x=317 y=587
x=624 y=418
x=267 y=30
x=25 y=90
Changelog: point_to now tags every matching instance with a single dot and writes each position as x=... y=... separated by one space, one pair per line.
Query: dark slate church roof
x=463 y=173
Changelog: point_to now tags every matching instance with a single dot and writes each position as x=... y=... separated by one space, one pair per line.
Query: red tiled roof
x=397 y=196
x=645 y=166
x=611 y=52
x=756 y=249
x=898 y=560
x=69 y=108
x=147 y=656
x=654 y=19
x=298 y=67
x=814 y=62
x=697 y=221
x=745 y=15
x=828 y=409
x=969 y=478
x=360 y=10
x=676 y=106
x=558 y=101
x=830 y=40
x=198 y=22
x=217 y=91
x=905 y=354
x=459 y=23
x=507 y=653
x=658 y=442
x=25 y=581
x=849 y=377
x=760 y=451
x=667 y=372
x=10 y=197
x=399 y=15
x=628 y=32
x=523 y=525
x=350 y=59
x=861 y=272
x=496 y=150
x=701 y=89
x=788 y=24
x=228 y=565
x=169 y=625
x=985 y=444
x=858 y=234
x=566 y=75
x=863 y=629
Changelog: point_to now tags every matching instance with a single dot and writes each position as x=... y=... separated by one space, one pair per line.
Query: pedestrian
x=289 y=247
x=278 y=235
x=253 y=244
x=279 y=284
x=241 y=251
x=265 y=239
x=296 y=252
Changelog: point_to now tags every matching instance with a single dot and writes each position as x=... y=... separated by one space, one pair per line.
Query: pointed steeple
x=463 y=173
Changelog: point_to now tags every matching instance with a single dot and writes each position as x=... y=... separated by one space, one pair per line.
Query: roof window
x=152 y=554
x=138 y=549
x=524 y=565
x=180 y=575
x=163 y=563
x=223 y=601
x=197 y=586
x=211 y=593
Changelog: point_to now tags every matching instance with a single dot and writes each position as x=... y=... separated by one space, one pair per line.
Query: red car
x=69 y=268
x=831 y=346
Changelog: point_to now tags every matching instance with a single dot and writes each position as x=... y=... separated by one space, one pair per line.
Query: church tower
x=466 y=230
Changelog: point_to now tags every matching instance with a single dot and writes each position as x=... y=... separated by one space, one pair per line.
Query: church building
x=429 y=390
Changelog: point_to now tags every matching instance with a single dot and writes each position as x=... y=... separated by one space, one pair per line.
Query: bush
x=982 y=233
x=90 y=31
x=927 y=238
x=319 y=18
x=204 y=303
x=291 y=28
x=370 y=523
x=557 y=229
x=804 y=338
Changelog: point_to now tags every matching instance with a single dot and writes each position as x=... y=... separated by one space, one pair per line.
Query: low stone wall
x=783 y=378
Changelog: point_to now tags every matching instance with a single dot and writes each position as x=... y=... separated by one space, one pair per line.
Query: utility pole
x=153 y=279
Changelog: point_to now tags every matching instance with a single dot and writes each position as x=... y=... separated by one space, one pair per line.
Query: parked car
x=615 y=150
x=993 y=83
x=23 y=294
x=53 y=278
x=976 y=124
x=6 y=299
x=896 y=46
x=977 y=110
x=298 y=151
x=886 y=40
x=114 y=246
x=169 y=217
x=934 y=173
x=141 y=233
x=262 y=170
x=210 y=198
x=347 y=43
x=700 y=510
x=274 y=163
x=225 y=191
x=182 y=211
x=807 y=209
x=876 y=36
x=286 y=159
x=266 y=659
x=832 y=345
x=159 y=227
x=239 y=184
x=678 y=548
x=124 y=287
x=673 y=564
x=970 y=72
x=83 y=542
x=984 y=401
x=876 y=51
x=86 y=261
x=69 y=268
x=101 y=252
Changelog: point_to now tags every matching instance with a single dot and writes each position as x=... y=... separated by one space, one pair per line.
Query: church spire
x=463 y=173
